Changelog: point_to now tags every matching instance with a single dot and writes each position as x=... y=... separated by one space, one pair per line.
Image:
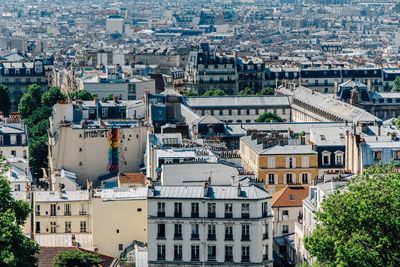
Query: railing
x=195 y=237
x=245 y=216
x=177 y=236
x=245 y=258
x=161 y=236
x=228 y=215
x=178 y=214
x=211 y=237
x=161 y=214
x=229 y=237
x=195 y=215
x=211 y=215
x=245 y=237
x=228 y=258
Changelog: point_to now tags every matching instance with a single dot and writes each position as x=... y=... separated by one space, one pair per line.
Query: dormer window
x=377 y=155
x=28 y=71
x=6 y=71
x=326 y=158
x=17 y=71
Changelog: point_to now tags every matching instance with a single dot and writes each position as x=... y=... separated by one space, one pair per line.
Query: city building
x=13 y=137
x=209 y=225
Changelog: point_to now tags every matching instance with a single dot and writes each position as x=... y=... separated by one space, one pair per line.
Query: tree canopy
x=214 y=92
x=51 y=96
x=269 y=117
x=396 y=84
x=190 y=92
x=30 y=100
x=82 y=95
x=360 y=226
x=267 y=91
x=77 y=258
x=246 y=92
x=4 y=100
x=16 y=249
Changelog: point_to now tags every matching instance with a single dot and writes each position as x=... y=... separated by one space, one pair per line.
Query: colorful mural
x=113 y=154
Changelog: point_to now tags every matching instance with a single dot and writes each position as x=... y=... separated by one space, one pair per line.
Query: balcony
x=161 y=214
x=245 y=215
x=194 y=215
x=265 y=214
x=245 y=237
x=161 y=257
x=229 y=237
x=228 y=258
x=178 y=214
x=211 y=237
x=67 y=213
x=161 y=236
x=195 y=237
x=177 y=257
x=82 y=212
x=212 y=258
x=177 y=236
x=195 y=258
x=211 y=215
x=228 y=215
x=245 y=258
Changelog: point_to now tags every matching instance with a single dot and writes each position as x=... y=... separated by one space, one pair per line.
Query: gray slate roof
x=237 y=101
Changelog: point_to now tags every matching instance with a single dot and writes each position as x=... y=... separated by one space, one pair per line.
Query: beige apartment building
x=104 y=220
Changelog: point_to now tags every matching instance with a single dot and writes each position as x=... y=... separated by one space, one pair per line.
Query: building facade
x=209 y=226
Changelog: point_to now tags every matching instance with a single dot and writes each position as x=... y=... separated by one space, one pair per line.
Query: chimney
x=239 y=190
x=206 y=189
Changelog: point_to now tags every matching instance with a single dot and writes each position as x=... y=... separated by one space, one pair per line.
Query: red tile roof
x=132 y=178
x=290 y=196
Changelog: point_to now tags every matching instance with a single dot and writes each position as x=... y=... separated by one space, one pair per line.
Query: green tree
x=214 y=92
x=4 y=100
x=360 y=226
x=269 y=117
x=77 y=258
x=246 y=92
x=267 y=91
x=82 y=95
x=190 y=92
x=51 y=96
x=30 y=101
x=396 y=85
x=16 y=249
x=38 y=152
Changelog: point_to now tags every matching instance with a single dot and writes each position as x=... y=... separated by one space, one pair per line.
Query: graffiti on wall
x=113 y=154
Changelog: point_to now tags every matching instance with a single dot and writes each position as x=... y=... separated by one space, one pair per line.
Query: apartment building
x=93 y=139
x=13 y=137
x=62 y=218
x=278 y=161
x=209 y=226
x=17 y=76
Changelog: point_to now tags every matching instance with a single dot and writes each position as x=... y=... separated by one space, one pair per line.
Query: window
x=195 y=252
x=161 y=231
x=53 y=227
x=178 y=210
x=304 y=178
x=195 y=231
x=160 y=209
x=13 y=139
x=195 y=210
x=23 y=138
x=228 y=253
x=228 y=210
x=83 y=227
x=17 y=187
x=24 y=154
x=211 y=232
x=290 y=162
x=271 y=162
x=178 y=231
x=265 y=231
x=289 y=178
x=211 y=210
x=52 y=209
x=396 y=155
x=245 y=253
x=285 y=229
x=377 y=155
x=228 y=232
x=212 y=252
x=339 y=158
x=265 y=209
x=326 y=158
x=1 y=140
x=13 y=153
x=285 y=215
x=160 y=252
x=37 y=227
x=245 y=232
x=177 y=252
x=120 y=247
x=67 y=209
x=37 y=212
x=265 y=255
x=68 y=227
x=82 y=210
x=271 y=178
x=245 y=210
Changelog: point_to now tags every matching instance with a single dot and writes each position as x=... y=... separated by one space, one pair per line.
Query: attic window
x=322 y=137
x=292 y=197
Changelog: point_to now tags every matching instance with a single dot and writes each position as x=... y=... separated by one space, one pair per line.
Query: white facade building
x=114 y=24
x=209 y=226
